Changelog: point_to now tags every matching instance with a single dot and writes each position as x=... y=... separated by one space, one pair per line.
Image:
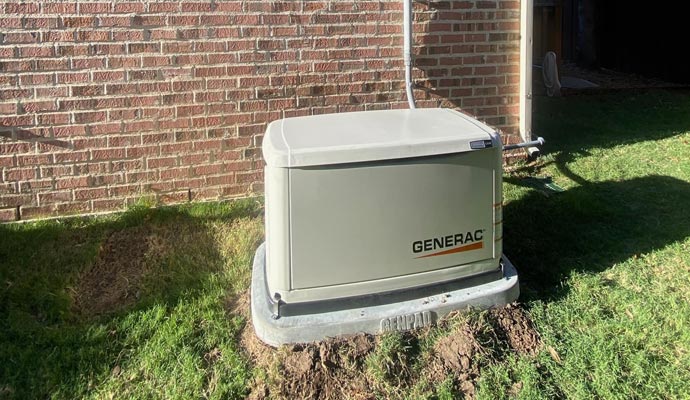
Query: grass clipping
x=446 y=358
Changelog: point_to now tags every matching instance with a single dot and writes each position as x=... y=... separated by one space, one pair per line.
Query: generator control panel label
x=481 y=144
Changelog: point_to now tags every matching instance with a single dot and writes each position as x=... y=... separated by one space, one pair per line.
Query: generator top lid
x=370 y=136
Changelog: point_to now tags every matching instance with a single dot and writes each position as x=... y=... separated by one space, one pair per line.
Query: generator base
x=395 y=316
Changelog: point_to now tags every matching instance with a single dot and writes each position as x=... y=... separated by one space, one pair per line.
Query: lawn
x=150 y=303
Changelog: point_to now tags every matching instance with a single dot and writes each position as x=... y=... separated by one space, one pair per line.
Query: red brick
x=8 y=188
x=89 y=117
x=10 y=22
x=90 y=194
x=88 y=63
x=200 y=105
x=14 y=200
x=15 y=66
x=161 y=162
x=144 y=101
x=72 y=77
x=129 y=7
x=9 y=214
x=108 y=204
x=120 y=22
x=88 y=143
x=108 y=76
x=95 y=8
x=109 y=180
x=174 y=197
x=60 y=8
x=56 y=170
x=158 y=137
x=204 y=170
x=78 y=22
x=139 y=126
x=126 y=165
x=141 y=176
x=54 y=197
x=31 y=212
x=24 y=160
x=164 y=7
x=148 y=20
x=22 y=8
x=139 y=151
x=247 y=177
x=124 y=114
x=108 y=154
x=72 y=182
x=61 y=91
x=218 y=180
x=124 y=140
x=93 y=36
x=67 y=131
x=16 y=121
x=72 y=208
x=8 y=108
x=235 y=191
x=7 y=161
x=144 y=74
x=22 y=37
x=36 y=184
x=72 y=156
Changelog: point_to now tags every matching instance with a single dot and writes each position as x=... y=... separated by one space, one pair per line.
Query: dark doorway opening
x=643 y=38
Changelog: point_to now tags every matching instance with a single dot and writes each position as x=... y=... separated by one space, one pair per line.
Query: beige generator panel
x=373 y=202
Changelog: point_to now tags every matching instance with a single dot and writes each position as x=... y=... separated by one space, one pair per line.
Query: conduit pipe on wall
x=407 y=51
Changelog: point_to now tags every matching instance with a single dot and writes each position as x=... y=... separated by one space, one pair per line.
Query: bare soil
x=456 y=355
x=332 y=369
x=336 y=368
x=515 y=328
x=112 y=281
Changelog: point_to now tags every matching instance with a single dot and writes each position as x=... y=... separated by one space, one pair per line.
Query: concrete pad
x=377 y=318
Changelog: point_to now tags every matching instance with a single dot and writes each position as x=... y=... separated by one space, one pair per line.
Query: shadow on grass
x=48 y=346
x=591 y=228
x=574 y=125
x=595 y=225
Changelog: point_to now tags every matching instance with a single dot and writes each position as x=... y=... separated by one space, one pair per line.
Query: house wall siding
x=102 y=103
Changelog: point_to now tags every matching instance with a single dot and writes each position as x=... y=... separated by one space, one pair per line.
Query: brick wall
x=102 y=103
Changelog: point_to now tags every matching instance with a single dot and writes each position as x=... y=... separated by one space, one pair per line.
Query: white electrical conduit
x=407 y=51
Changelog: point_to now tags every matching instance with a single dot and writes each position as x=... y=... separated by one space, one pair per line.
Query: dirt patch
x=327 y=370
x=331 y=369
x=514 y=327
x=339 y=368
x=456 y=355
x=112 y=281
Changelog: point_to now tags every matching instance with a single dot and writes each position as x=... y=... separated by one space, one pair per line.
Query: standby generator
x=378 y=221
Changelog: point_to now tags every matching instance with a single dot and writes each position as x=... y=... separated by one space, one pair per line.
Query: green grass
x=605 y=266
x=604 y=269
x=177 y=341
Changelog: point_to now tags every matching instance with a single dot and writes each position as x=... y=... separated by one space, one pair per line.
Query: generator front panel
x=363 y=222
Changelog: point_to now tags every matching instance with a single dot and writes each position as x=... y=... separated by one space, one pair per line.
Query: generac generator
x=378 y=221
